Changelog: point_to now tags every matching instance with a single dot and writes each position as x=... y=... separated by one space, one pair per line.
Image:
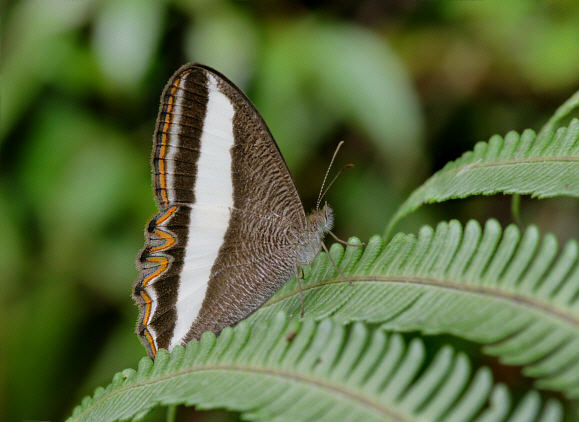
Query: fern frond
x=542 y=167
x=563 y=111
x=512 y=293
x=313 y=371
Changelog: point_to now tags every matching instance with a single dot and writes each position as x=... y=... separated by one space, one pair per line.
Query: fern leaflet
x=313 y=371
x=510 y=292
x=543 y=167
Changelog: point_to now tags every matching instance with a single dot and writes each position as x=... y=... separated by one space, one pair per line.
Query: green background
x=408 y=85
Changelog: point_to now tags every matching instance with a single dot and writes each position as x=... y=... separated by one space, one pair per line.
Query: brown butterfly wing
x=257 y=252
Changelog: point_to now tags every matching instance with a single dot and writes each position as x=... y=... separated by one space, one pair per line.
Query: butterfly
x=230 y=228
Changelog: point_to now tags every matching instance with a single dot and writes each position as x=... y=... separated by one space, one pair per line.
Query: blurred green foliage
x=409 y=85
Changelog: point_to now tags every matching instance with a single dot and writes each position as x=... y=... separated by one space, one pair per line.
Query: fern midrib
x=297 y=377
x=532 y=160
x=473 y=288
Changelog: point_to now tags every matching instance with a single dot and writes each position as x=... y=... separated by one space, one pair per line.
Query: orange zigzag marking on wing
x=149 y=338
x=168 y=238
x=163 y=264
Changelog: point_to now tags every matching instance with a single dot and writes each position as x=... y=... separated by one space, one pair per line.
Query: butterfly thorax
x=309 y=242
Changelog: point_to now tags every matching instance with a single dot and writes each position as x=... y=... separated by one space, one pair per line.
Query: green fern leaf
x=563 y=111
x=313 y=371
x=543 y=167
x=509 y=292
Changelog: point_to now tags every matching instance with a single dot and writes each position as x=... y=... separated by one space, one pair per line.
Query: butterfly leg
x=334 y=264
x=300 y=287
x=345 y=243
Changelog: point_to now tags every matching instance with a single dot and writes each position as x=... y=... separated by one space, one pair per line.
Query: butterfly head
x=321 y=220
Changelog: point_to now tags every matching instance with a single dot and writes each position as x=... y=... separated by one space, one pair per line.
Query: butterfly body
x=231 y=229
x=310 y=238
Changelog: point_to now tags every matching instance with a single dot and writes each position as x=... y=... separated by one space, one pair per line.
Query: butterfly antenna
x=322 y=192
x=347 y=166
